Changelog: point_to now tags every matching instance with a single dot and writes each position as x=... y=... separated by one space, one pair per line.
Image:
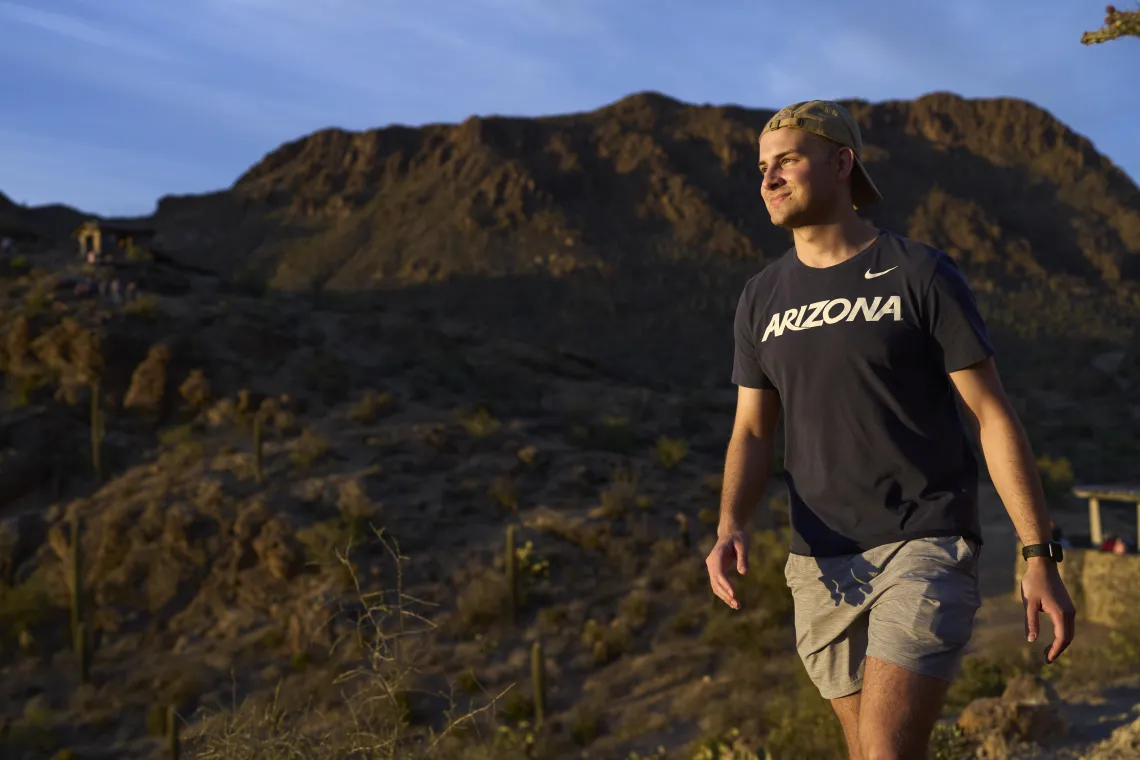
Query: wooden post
x=1095 y=534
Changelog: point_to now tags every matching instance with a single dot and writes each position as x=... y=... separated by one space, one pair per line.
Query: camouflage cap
x=834 y=122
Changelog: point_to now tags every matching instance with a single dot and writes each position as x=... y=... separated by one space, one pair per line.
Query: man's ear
x=846 y=158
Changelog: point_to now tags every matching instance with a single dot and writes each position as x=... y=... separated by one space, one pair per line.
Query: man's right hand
x=730 y=552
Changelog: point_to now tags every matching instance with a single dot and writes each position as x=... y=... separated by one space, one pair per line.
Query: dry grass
x=373 y=719
x=620 y=496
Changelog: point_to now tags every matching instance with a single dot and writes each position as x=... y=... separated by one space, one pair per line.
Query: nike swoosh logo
x=870 y=276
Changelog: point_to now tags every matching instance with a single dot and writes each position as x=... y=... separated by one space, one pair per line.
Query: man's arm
x=747 y=467
x=748 y=462
x=1009 y=459
x=1006 y=449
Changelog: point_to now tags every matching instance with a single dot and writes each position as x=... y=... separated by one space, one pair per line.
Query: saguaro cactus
x=538 y=682
x=81 y=653
x=257 y=473
x=510 y=567
x=172 y=732
x=96 y=431
x=78 y=626
x=76 y=570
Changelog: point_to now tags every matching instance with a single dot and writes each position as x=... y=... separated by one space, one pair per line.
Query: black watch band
x=1051 y=550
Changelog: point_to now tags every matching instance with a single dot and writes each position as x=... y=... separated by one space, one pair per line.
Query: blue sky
x=109 y=104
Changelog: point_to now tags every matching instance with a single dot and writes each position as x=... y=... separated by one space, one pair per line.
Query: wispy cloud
x=77 y=28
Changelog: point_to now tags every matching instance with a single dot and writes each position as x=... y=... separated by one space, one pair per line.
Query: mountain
x=622 y=237
x=999 y=183
x=42 y=223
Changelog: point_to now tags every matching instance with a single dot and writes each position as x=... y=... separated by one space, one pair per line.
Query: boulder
x=1029 y=710
x=1123 y=744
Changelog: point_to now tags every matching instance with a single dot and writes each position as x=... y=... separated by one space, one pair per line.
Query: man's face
x=802 y=176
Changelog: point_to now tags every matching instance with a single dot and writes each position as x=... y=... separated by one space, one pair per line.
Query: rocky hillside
x=624 y=235
x=244 y=587
x=999 y=183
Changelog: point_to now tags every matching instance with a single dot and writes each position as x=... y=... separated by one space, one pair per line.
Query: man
x=863 y=339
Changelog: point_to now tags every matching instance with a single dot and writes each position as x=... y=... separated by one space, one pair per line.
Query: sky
x=107 y=105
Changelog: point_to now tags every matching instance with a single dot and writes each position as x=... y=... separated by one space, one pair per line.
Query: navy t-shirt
x=876 y=449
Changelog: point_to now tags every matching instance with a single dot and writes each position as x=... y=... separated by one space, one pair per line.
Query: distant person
x=1116 y=545
x=864 y=340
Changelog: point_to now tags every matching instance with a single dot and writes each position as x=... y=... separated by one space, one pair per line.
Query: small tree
x=1116 y=24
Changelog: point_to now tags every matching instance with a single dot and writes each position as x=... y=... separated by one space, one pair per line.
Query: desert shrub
x=948 y=743
x=1095 y=661
x=145 y=306
x=179 y=434
x=195 y=389
x=634 y=609
x=730 y=746
x=504 y=492
x=801 y=723
x=766 y=602
x=670 y=452
x=610 y=433
x=1056 y=476
x=527 y=454
x=370 y=407
x=137 y=252
x=713 y=482
x=309 y=448
x=619 y=497
x=483 y=600
x=607 y=642
x=357 y=510
x=148 y=381
x=480 y=423
x=36 y=301
x=22 y=607
x=531 y=566
x=978 y=677
x=585 y=722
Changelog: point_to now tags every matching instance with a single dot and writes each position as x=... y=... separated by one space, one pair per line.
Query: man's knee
x=872 y=754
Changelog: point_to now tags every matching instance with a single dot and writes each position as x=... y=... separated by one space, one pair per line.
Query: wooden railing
x=1095 y=494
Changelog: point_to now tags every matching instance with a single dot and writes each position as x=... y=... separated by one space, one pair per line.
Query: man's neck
x=826 y=245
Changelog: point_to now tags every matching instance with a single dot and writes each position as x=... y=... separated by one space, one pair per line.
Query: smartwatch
x=1051 y=550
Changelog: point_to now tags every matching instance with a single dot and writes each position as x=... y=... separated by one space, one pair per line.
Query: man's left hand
x=1042 y=590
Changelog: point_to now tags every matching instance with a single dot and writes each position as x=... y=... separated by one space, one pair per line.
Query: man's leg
x=898 y=711
x=831 y=632
x=919 y=626
x=847 y=709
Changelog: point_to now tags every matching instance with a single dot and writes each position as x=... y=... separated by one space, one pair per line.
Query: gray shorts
x=911 y=603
